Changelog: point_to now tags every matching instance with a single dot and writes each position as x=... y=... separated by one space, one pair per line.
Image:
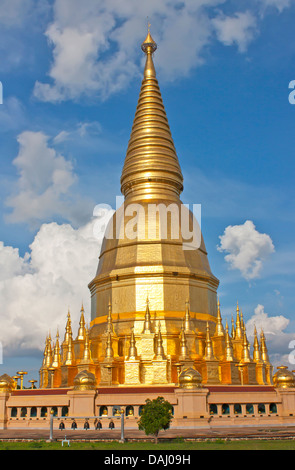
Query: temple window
x=54 y=410
x=225 y=409
x=140 y=409
x=103 y=411
x=261 y=408
x=23 y=412
x=13 y=413
x=65 y=411
x=129 y=411
x=237 y=409
x=43 y=412
x=33 y=413
x=249 y=408
x=273 y=408
x=213 y=409
x=116 y=410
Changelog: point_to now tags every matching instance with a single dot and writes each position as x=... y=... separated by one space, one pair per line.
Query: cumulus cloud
x=246 y=247
x=236 y=30
x=95 y=44
x=43 y=186
x=278 y=341
x=36 y=290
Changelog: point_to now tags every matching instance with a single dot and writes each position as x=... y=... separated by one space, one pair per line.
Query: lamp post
x=122 y=426
x=21 y=373
x=16 y=377
x=32 y=382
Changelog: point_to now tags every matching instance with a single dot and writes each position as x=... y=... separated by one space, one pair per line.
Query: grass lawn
x=176 y=445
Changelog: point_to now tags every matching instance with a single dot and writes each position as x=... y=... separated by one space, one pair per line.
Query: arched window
x=213 y=409
x=261 y=408
x=23 y=412
x=225 y=409
x=273 y=408
x=13 y=413
x=116 y=410
x=33 y=413
x=237 y=409
x=54 y=410
x=65 y=411
x=129 y=411
x=140 y=409
x=43 y=412
x=103 y=411
x=249 y=408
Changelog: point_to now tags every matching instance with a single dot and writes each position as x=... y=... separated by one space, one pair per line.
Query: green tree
x=156 y=415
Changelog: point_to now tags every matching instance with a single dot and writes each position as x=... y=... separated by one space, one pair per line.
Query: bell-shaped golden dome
x=284 y=378
x=6 y=383
x=84 y=380
x=190 y=378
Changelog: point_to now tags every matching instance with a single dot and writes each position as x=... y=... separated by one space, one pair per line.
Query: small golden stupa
x=155 y=317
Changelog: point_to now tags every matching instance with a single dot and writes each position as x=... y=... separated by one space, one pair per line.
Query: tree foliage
x=156 y=415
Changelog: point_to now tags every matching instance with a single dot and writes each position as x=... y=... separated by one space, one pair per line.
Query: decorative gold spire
x=132 y=353
x=68 y=333
x=159 y=347
x=219 y=331
x=245 y=351
x=82 y=330
x=110 y=328
x=109 y=354
x=238 y=332
x=48 y=352
x=233 y=330
x=87 y=353
x=209 y=348
x=263 y=348
x=56 y=355
x=147 y=319
x=151 y=168
x=187 y=318
x=229 y=354
x=70 y=357
x=256 y=350
x=184 y=352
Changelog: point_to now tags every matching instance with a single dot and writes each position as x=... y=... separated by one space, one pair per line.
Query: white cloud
x=238 y=29
x=36 y=290
x=277 y=340
x=274 y=325
x=95 y=44
x=247 y=248
x=43 y=188
x=280 y=5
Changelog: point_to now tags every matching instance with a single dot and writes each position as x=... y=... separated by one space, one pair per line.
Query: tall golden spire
x=263 y=348
x=239 y=330
x=219 y=331
x=56 y=355
x=151 y=169
x=147 y=319
x=82 y=330
x=229 y=354
x=256 y=350
x=209 y=355
x=132 y=353
x=159 y=345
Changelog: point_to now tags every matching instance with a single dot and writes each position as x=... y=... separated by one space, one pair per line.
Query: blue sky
x=71 y=74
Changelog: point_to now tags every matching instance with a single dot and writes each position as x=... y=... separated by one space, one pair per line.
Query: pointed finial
x=219 y=328
x=209 y=348
x=132 y=353
x=147 y=319
x=229 y=355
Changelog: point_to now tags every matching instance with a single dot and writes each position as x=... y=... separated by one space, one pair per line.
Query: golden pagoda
x=154 y=307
